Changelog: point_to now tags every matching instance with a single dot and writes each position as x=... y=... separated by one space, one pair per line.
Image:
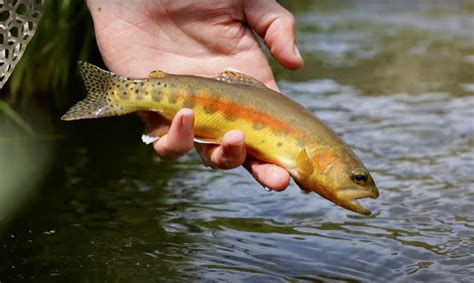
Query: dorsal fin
x=158 y=74
x=232 y=76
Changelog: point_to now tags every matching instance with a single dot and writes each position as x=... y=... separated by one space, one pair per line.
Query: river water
x=396 y=81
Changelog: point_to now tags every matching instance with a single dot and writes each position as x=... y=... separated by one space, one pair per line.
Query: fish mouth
x=348 y=199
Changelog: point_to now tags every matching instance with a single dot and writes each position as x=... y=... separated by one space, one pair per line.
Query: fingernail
x=266 y=189
x=297 y=52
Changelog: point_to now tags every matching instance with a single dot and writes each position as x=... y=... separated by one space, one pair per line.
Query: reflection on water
x=400 y=97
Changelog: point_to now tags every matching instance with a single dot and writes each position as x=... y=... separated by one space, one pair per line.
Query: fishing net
x=18 y=21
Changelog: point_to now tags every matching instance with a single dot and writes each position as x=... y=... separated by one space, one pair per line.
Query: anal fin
x=147 y=139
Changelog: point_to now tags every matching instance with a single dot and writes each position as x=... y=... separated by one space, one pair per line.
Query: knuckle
x=289 y=18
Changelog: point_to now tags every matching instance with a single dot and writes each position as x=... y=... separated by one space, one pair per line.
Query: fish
x=277 y=129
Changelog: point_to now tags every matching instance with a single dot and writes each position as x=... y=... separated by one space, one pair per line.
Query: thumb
x=277 y=28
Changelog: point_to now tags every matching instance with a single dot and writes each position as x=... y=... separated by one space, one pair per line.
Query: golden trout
x=277 y=130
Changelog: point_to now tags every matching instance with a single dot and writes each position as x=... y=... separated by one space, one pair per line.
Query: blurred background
x=88 y=201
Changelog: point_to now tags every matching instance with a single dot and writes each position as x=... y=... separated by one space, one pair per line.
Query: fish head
x=346 y=183
x=340 y=177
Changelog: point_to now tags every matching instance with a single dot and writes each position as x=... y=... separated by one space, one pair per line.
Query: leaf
x=15 y=117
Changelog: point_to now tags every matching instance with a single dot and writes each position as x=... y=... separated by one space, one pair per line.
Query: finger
x=268 y=175
x=277 y=28
x=180 y=137
x=231 y=153
x=273 y=85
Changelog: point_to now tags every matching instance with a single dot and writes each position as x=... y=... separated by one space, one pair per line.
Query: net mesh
x=18 y=21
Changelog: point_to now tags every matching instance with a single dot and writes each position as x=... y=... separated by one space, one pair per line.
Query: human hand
x=200 y=38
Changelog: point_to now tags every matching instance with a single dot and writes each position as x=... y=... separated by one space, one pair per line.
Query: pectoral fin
x=304 y=167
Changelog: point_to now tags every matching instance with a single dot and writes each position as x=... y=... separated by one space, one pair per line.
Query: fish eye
x=360 y=176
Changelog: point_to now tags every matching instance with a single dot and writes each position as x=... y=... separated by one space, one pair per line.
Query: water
x=392 y=81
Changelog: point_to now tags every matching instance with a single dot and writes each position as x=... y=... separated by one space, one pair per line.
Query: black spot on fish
x=124 y=95
x=172 y=97
x=139 y=95
x=230 y=117
x=188 y=103
x=279 y=144
x=156 y=96
x=258 y=126
x=209 y=110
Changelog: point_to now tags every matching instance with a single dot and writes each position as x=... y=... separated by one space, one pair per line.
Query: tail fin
x=98 y=103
